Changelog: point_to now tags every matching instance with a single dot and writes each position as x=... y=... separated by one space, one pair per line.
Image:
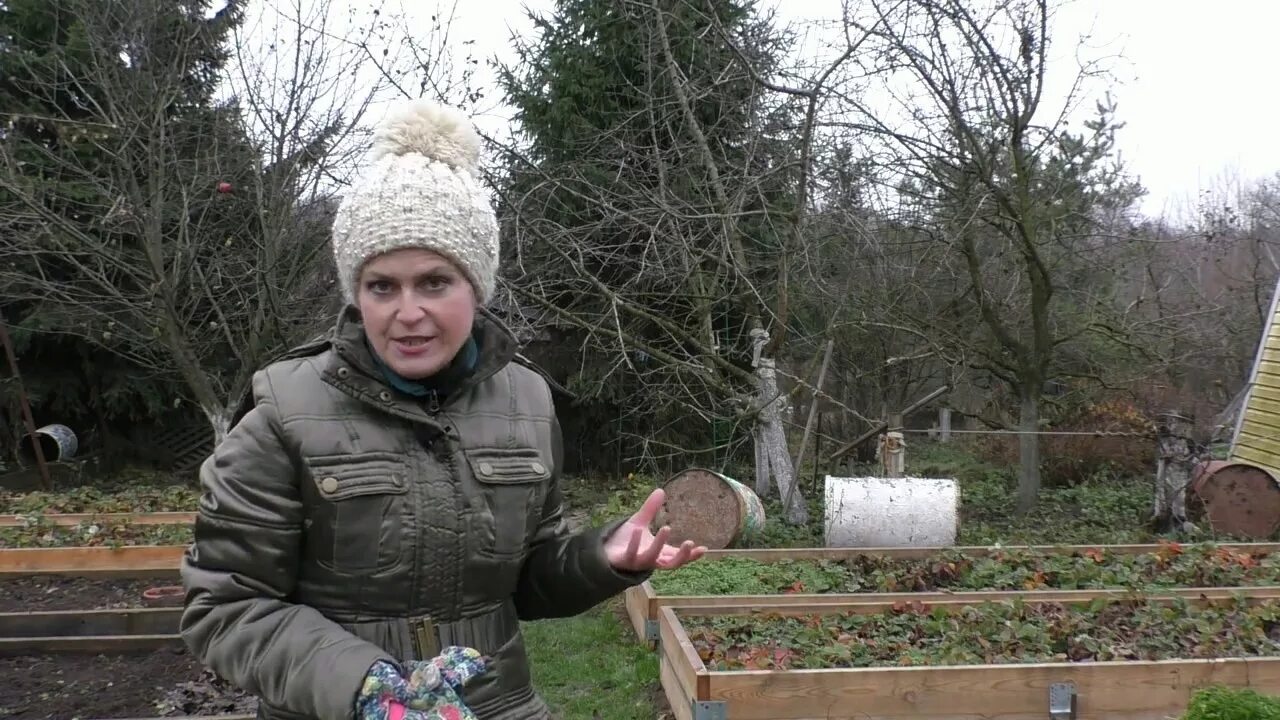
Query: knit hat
x=419 y=190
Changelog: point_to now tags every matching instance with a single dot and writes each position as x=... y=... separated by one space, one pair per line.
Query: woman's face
x=417 y=308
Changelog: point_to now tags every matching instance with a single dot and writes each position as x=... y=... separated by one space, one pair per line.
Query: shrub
x=1072 y=459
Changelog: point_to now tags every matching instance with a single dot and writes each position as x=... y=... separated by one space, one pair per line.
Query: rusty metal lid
x=1239 y=499
x=702 y=507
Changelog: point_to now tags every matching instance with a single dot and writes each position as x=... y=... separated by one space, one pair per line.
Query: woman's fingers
x=633 y=545
x=646 y=552
x=686 y=553
x=655 y=549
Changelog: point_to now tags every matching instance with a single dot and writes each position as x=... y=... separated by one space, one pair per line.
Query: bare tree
x=1016 y=214
x=185 y=236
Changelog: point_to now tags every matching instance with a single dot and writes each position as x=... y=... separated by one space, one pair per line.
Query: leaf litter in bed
x=1171 y=565
x=990 y=633
x=42 y=534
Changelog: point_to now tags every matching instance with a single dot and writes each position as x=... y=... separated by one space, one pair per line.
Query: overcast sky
x=1197 y=92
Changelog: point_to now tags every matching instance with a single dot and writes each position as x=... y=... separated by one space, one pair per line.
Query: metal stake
x=26 y=408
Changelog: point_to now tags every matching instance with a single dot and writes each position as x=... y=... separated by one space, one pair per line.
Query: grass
x=591 y=666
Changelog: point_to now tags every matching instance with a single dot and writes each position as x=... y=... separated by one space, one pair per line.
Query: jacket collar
x=354 y=369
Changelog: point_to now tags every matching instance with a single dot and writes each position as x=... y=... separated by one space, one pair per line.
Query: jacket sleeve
x=567 y=573
x=241 y=569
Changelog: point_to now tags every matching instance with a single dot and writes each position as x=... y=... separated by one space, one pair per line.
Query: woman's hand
x=634 y=549
x=431 y=692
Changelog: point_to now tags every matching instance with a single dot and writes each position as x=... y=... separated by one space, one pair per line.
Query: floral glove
x=431 y=692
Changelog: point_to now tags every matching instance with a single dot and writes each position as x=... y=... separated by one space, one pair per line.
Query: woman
x=387 y=507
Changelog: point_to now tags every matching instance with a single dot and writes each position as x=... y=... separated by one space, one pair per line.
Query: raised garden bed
x=76 y=641
x=61 y=614
x=1137 y=658
x=165 y=683
x=86 y=517
x=1068 y=572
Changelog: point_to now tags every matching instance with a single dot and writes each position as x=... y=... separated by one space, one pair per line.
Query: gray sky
x=1196 y=76
x=1194 y=82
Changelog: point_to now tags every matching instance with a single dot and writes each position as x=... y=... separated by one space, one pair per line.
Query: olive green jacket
x=342 y=523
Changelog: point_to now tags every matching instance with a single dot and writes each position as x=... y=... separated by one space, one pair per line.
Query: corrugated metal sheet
x=1257 y=436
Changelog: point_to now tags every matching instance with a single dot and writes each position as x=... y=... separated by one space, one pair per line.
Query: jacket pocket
x=357 y=522
x=512 y=484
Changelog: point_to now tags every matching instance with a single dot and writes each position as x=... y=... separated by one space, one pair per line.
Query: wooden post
x=27 y=418
x=808 y=425
x=882 y=426
x=813 y=410
x=892 y=453
x=944 y=424
x=772 y=459
x=1175 y=463
x=817 y=448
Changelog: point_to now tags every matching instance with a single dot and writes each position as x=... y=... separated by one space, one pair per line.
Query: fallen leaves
x=1167 y=565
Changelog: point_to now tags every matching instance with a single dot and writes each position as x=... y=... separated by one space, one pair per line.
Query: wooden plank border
x=73 y=519
x=189 y=717
x=72 y=623
x=643 y=603
x=89 y=631
x=90 y=644
x=132 y=561
x=733 y=603
x=826 y=553
x=1133 y=690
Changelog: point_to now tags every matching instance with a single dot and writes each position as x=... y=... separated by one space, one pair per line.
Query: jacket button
x=329 y=485
x=538 y=468
x=343 y=373
x=384 y=396
x=486 y=468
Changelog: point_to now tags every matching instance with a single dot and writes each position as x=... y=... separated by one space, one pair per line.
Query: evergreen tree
x=641 y=201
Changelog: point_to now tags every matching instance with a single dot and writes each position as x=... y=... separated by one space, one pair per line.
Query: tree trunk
x=220 y=421
x=1028 y=453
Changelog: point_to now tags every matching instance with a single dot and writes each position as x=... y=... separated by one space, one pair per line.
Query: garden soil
x=162 y=683
x=29 y=593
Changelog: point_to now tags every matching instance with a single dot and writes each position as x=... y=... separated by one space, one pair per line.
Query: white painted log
x=891 y=512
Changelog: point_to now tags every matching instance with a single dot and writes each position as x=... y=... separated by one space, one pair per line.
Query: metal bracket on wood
x=709 y=710
x=651 y=630
x=1062 y=701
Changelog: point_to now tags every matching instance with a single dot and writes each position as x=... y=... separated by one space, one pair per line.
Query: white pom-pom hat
x=420 y=190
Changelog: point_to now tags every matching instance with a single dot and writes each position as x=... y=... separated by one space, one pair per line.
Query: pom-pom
x=438 y=132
